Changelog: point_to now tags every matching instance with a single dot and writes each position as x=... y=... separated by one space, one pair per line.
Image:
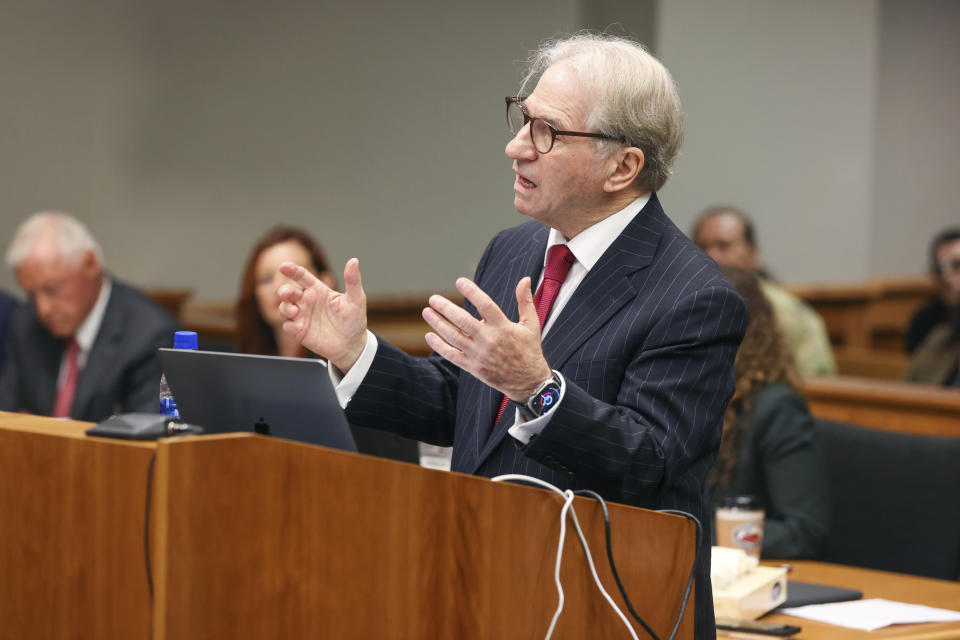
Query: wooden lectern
x=254 y=537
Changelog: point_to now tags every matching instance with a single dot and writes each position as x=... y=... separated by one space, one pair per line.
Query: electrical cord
x=146 y=536
x=616 y=575
x=568 y=497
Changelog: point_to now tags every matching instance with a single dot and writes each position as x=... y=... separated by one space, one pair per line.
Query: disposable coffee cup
x=740 y=524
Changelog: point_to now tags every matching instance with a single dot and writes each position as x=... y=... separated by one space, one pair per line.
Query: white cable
x=568 y=507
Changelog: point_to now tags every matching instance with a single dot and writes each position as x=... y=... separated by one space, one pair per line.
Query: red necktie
x=559 y=261
x=61 y=408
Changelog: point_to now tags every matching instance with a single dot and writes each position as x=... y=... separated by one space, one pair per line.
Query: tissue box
x=752 y=594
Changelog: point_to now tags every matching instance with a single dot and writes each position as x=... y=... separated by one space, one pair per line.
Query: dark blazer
x=646 y=346
x=779 y=462
x=7 y=304
x=121 y=373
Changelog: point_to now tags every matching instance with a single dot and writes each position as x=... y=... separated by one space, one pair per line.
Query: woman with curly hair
x=259 y=323
x=767 y=449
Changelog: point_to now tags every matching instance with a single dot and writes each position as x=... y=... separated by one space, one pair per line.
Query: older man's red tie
x=61 y=408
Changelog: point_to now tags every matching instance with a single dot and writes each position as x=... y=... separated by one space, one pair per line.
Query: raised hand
x=331 y=324
x=503 y=354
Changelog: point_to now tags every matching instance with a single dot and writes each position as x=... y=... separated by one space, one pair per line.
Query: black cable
x=146 y=535
x=693 y=569
x=616 y=575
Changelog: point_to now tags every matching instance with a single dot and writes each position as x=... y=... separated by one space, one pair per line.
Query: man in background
x=937 y=359
x=615 y=375
x=728 y=236
x=936 y=311
x=84 y=346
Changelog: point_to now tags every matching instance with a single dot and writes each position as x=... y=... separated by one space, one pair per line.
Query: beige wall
x=181 y=130
x=779 y=100
x=917 y=158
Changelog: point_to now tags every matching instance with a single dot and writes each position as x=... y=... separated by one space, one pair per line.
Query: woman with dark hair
x=259 y=323
x=767 y=449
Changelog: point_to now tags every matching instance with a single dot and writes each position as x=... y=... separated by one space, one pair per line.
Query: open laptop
x=289 y=398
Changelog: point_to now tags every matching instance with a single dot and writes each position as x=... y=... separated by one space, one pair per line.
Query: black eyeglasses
x=542 y=133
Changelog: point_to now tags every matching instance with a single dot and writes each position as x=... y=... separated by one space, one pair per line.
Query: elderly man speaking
x=595 y=346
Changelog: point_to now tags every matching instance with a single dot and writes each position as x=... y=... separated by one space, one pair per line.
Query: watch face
x=544 y=401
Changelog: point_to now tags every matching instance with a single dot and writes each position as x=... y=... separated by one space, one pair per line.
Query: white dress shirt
x=587 y=247
x=87 y=331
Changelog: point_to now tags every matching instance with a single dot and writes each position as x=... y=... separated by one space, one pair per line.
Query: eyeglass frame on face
x=554 y=132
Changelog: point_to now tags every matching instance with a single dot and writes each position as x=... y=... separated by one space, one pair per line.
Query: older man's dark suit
x=121 y=373
x=646 y=346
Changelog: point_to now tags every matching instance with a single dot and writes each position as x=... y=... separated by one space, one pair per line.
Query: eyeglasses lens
x=515 y=118
x=540 y=133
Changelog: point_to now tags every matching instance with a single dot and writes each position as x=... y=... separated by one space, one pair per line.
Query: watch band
x=543 y=398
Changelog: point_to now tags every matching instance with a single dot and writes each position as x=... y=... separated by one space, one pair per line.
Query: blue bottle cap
x=185 y=340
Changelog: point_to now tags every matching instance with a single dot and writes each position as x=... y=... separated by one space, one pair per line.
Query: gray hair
x=634 y=97
x=71 y=237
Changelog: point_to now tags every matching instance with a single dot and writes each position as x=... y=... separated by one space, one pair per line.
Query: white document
x=873 y=613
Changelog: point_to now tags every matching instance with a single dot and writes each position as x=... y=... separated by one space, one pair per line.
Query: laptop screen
x=290 y=398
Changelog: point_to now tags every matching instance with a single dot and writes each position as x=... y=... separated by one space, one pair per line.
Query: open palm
x=327 y=322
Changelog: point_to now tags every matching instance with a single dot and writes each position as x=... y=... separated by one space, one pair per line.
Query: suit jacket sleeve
x=656 y=429
x=796 y=525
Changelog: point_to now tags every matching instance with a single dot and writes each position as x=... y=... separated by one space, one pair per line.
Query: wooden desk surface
x=943 y=594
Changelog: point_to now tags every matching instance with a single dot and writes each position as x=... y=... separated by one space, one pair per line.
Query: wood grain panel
x=884 y=404
x=71 y=532
x=266 y=538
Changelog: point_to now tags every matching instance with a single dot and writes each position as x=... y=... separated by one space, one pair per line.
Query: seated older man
x=85 y=345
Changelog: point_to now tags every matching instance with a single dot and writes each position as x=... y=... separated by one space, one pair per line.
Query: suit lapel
x=51 y=355
x=528 y=262
x=103 y=353
x=607 y=287
x=604 y=291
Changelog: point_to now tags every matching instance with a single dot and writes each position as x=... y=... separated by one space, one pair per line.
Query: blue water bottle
x=168 y=406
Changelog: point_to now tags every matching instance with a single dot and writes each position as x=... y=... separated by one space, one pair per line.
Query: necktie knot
x=559 y=261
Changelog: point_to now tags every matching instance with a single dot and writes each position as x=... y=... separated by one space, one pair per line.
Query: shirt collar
x=592 y=242
x=90 y=326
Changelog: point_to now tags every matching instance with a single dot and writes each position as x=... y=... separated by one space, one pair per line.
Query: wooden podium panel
x=265 y=538
x=254 y=537
x=71 y=532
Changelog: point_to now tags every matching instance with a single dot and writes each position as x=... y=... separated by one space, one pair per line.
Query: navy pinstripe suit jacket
x=646 y=345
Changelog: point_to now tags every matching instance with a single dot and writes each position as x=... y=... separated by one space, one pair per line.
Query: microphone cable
x=616 y=575
x=568 y=497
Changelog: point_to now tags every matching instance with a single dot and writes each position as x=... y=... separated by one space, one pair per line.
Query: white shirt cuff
x=347 y=385
x=524 y=430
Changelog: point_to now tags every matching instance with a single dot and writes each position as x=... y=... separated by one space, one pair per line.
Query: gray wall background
x=180 y=131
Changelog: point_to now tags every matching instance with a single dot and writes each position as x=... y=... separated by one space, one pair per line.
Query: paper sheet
x=873 y=613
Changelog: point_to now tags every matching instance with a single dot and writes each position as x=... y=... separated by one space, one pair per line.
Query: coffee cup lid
x=742 y=503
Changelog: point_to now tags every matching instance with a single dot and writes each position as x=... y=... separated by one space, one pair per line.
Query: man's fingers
x=527 y=310
x=299 y=275
x=290 y=292
x=454 y=314
x=485 y=305
x=288 y=310
x=455 y=356
x=352 y=282
x=448 y=332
